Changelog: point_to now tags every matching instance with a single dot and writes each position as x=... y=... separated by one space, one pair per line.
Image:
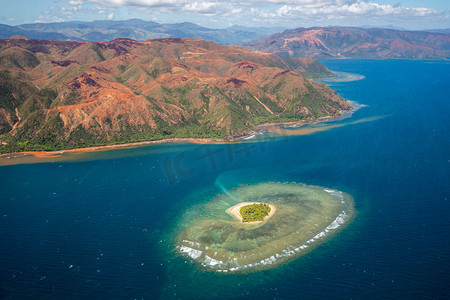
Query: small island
x=300 y=218
x=252 y=212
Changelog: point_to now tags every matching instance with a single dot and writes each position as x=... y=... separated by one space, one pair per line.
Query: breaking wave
x=305 y=217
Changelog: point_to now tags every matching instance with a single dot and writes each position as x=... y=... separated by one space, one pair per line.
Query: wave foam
x=233 y=265
x=337 y=194
x=192 y=253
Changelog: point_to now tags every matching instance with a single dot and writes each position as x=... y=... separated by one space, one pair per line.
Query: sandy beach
x=16 y=157
x=234 y=211
x=27 y=156
x=42 y=156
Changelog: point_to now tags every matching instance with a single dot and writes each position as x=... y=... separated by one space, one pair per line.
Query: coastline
x=55 y=153
x=234 y=211
x=14 y=157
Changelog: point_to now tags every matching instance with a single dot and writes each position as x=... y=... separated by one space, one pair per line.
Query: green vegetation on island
x=254 y=212
x=305 y=216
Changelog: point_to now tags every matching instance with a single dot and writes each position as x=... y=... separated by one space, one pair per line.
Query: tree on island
x=254 y=212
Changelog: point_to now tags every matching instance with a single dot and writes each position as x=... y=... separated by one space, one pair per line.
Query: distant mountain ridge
x=106 y=30
x=349 y=42
x=318 y=42
x=70 y=94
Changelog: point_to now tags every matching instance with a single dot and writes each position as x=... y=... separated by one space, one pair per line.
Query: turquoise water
x=104 y=225
x=304 y=216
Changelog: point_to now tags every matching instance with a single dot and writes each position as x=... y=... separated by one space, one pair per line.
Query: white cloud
x=309 y=7
x=7 y=19
x=75 y=9
x=148 y=3
x=76 y=2
x=355 y=8
x=202 y=7
x=271 y=12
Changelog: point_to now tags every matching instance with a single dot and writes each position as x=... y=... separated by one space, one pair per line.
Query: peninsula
x=59 y=95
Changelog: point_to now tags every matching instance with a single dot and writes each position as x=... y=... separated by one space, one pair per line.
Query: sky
x=409 y=14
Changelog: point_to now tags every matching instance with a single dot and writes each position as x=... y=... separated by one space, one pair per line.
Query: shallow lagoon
x=305 y=216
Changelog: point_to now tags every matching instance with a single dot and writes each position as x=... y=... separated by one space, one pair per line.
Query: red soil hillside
x=61 y=94
x=348 y=42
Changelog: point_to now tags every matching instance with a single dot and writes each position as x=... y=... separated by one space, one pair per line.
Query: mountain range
x=319 y=42
x=70 y=94
x=348 y=42
x=105 y=31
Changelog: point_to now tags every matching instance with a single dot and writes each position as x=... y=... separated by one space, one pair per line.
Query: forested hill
x=68 y=94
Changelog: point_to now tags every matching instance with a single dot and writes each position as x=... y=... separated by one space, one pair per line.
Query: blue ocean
x=103 y=225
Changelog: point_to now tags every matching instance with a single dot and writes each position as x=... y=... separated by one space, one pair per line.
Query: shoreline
x=55 y=153
x=42 y=154
x=262 y=128
x=234 y=211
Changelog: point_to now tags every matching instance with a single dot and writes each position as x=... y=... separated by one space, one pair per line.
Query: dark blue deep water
x=102 y=225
